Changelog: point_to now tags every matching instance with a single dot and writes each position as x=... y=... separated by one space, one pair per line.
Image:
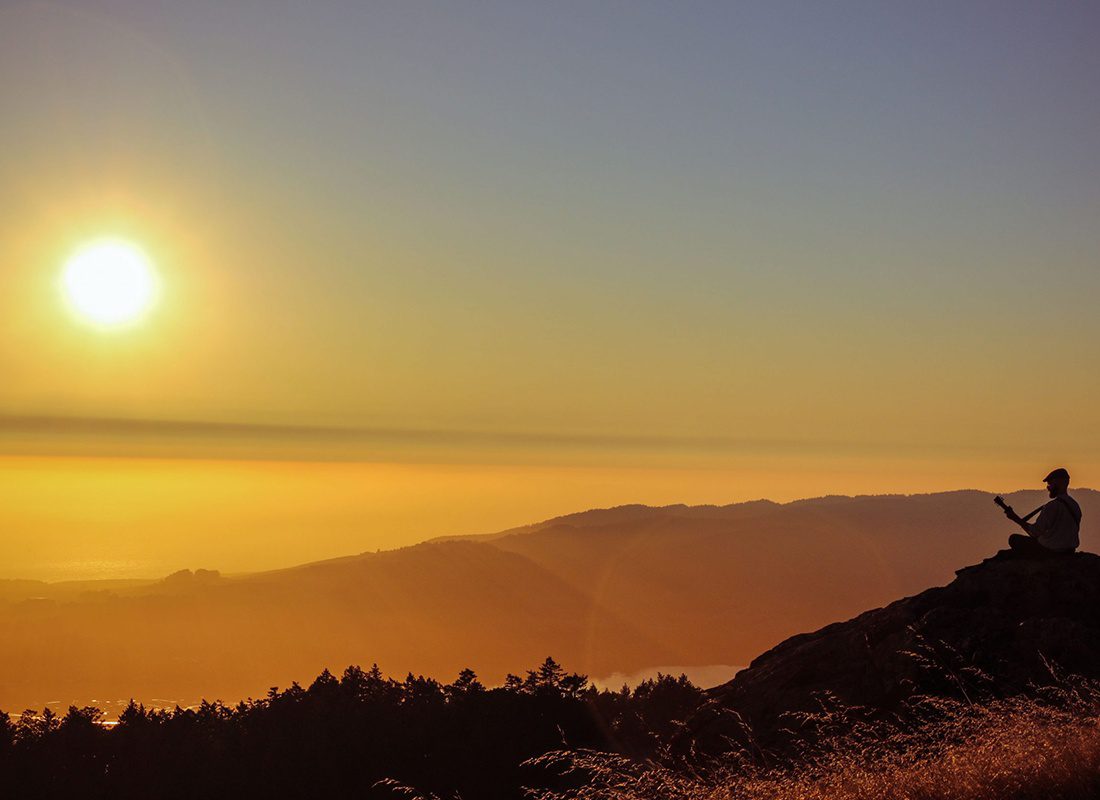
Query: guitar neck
x=1000 y=501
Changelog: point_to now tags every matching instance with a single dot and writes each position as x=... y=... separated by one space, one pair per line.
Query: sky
x=698 y=253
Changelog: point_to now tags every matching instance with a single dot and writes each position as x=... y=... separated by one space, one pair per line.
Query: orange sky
x=451 y=274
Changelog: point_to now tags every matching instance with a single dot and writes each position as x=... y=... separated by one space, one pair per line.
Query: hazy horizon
x=604 y=591
x=340 y=519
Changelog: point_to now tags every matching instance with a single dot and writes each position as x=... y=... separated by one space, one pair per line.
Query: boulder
x=1000 y=627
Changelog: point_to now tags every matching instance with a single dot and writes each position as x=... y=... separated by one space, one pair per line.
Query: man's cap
x=1057 y=474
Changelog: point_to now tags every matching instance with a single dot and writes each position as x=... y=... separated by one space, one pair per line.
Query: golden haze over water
x=93 y=517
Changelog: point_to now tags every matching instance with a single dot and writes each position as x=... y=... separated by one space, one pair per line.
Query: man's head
x=1057 y=482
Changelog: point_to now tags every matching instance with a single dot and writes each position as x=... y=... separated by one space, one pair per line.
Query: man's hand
x=1009 y=512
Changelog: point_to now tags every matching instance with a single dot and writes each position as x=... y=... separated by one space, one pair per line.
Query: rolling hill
x=603 y=591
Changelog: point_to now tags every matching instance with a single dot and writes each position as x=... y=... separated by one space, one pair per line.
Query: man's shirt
x=1059 y=524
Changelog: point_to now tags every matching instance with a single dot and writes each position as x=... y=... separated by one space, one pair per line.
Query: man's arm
x=1034 y=529
x=1027 y=527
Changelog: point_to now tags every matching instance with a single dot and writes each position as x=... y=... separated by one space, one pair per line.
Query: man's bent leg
x=1027 y=546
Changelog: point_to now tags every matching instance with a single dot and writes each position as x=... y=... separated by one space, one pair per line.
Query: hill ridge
x=593 y=517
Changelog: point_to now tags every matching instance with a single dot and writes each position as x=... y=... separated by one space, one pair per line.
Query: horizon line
x=514 y=530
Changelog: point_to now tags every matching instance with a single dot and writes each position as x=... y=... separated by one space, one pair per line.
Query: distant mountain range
x=603 y=591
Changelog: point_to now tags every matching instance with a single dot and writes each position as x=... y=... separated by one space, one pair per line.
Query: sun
x=109 y=282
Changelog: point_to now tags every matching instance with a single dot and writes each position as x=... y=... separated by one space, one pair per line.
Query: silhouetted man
x=1058 y=527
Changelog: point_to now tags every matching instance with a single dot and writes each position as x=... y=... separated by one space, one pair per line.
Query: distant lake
x=704 y=677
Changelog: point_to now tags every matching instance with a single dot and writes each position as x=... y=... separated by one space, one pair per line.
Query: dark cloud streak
x=60 y=427
x=107 y=436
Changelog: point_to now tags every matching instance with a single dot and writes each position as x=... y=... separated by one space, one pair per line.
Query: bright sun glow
x=110 y=282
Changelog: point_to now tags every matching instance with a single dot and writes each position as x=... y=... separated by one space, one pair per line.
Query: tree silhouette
x=339 y=737
x=466 y=683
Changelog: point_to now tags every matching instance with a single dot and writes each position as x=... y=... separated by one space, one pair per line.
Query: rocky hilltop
x=998 y=627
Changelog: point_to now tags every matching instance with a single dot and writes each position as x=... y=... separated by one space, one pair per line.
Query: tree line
x=359 y=735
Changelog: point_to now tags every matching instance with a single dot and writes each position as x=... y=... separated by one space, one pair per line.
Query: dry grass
x=1044 y=745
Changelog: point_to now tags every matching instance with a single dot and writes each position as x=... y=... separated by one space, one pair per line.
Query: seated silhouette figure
x=1057 y=530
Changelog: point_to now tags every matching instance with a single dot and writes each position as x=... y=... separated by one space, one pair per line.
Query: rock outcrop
x=999 y=626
